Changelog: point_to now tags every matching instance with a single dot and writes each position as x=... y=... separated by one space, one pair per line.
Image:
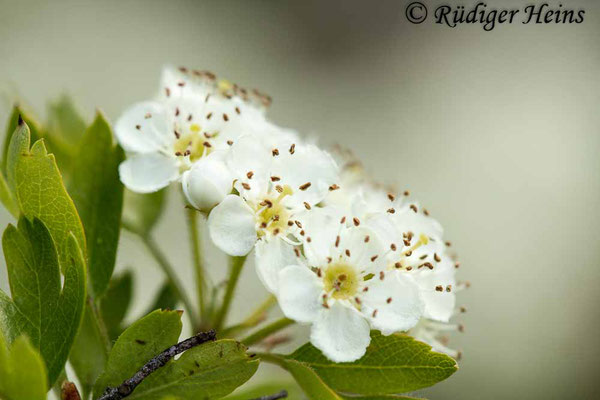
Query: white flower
x=275 y=182
x=418 y=250
x=194 y=116
x=208 y=181
x=342 y=287
x=435 y=334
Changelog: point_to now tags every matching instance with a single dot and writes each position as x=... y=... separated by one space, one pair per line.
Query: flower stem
x=192 y=217
x=267 y=331
x=172 y=277
x=257 y=316
x=235 y=268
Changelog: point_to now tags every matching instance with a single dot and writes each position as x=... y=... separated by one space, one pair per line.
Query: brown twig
x=68 y=391
x=281 y=395
x=127 y=387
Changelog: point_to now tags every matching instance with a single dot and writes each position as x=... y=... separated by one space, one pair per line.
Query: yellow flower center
x=192 y=143
x=341 y=280
x=274 y=216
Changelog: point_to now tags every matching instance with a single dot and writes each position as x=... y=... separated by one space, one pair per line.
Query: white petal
x=322 y=225
x=404 y=309
x=299 y=293
x=306 y=164
x=271 y=257
x=418 y=223
x=144 y=128
x=341 y=333
x=208 y=182
x=438 y=305
x=146 y=173
x=232 y=227
x=383 y=224
x=364 y=248
x=248 y=154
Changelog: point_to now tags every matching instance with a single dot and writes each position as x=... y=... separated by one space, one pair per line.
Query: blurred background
x=495 y=132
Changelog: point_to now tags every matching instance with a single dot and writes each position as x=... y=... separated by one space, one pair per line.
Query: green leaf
x=140 y=342
x=40 y=192
x=141 y=211
x=166 y=298
x=22 y=371
x=209 y=371
x=98 y=195
x=13 y=122
x=256 y=391
x=393 y=364
x=115 y=302
x=49 y=315
x=381 y=397
x=312 y=385
x=7 y=198
x=89 y=354
x=64 y=130
x=64 y=120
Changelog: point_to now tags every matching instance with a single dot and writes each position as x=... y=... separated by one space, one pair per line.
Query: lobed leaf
x=392 y=364
x=98 y=195
x=48 y=314
x=209 y=371
x=143 y=340
x=22 y=371
x=312 y=385
x=257 y=391
x=36 y=181
x=13 y=124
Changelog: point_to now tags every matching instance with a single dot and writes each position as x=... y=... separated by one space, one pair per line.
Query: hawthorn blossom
x=417 y=249
x=194 y=115
x=275 y=183
x=341 y=286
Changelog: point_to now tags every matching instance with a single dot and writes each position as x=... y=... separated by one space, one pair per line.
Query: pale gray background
x=496 y=132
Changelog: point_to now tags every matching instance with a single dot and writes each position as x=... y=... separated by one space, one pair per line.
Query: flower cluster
x=339 y=252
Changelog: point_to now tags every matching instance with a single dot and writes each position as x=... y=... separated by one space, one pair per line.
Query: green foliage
x=166 y=298
x=141 y=211
x=115 y=302
x=49 y=315
x=209 y=371
x=381 y=397
x=7 y=198
x=98 y=194
x=13 y=122
x=89 y=353
x=140 y=342
x=392 y=364
x=312 y=385
x=22 y=371
x=256 y=391
x=36 y=181
x=64 y=120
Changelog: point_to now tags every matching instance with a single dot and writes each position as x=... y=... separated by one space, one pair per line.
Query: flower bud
x=208 y=182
